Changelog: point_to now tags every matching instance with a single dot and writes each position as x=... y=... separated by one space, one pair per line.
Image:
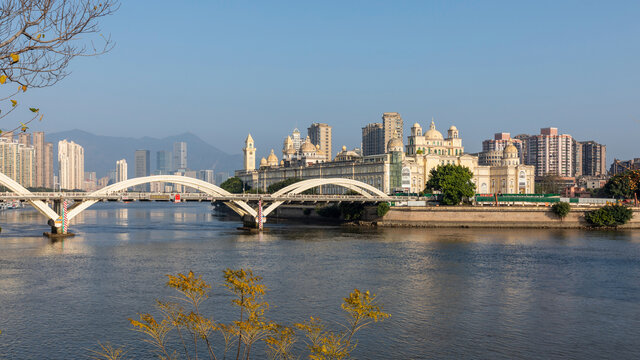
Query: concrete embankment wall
x=490 y=217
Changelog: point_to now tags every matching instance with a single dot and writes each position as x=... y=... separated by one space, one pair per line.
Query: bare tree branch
x=46 y=34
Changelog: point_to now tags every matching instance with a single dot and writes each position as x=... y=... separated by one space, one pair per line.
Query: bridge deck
x=143 y=196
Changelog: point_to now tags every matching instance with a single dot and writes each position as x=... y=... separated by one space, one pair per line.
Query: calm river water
x=452 y=293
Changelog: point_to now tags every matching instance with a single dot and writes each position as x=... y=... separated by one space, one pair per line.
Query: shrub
x=179 y=326
x=306 y=211
x=561 y=209
x=610 y=216
x=383 y=209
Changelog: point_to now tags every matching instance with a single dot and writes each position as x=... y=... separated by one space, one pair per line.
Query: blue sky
x=222 y=69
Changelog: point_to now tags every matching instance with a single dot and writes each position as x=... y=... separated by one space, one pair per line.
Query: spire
x=433 y=124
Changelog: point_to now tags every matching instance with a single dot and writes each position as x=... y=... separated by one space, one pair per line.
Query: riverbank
x=491 y=217
x=533 y=217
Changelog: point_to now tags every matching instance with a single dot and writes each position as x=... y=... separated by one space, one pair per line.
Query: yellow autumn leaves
x=182 y=328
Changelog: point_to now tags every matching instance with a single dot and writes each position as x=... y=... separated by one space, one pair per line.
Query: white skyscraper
x=71 y=165
x=121 y=170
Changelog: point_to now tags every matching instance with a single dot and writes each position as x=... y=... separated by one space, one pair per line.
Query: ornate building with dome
x=401 y=169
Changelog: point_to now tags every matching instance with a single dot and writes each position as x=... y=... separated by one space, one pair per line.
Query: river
x=452 y=293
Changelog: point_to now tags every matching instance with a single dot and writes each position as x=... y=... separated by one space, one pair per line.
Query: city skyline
x=454 y=62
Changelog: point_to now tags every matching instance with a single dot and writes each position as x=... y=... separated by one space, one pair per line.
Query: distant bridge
x=240 y=203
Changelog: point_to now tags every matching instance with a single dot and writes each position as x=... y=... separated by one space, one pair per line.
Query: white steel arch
x=358 y=186
x=43 y=208
x=240 y=207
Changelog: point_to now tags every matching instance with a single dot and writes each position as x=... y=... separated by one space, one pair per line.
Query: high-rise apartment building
x=38 y=144
x=590 y=158
x=163 y=162
x=121 y=170
x=393 y=127
x=180 y=156
x=142 y=164
x=373 y=139
x=70 y=165
x=24 y=139
x=48 y=165
x=551 y=153
x=320 y=135
x=620 y=166
x=295 y=138
x=206 y=175
x=17 y=161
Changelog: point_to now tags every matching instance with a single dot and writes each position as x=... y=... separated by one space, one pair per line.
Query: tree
x=39 y=39
x=233 y=185
x=454 y=181
x=561 y=209
x=624 y=185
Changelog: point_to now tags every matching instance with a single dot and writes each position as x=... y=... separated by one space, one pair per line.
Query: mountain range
x=102 y=152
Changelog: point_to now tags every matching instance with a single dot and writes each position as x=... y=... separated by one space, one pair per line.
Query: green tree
x=382 y=209
x=233 y=185
x=609 y=216
x=281 y=184
x=561 y=209
x=624 y=185
x=453 y=181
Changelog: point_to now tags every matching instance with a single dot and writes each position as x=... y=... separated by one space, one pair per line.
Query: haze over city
x=223 y=69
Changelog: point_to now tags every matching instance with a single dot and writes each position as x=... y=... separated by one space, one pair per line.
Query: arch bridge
x=59 y=219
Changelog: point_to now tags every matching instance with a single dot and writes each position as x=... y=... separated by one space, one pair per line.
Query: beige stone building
x=395 y=170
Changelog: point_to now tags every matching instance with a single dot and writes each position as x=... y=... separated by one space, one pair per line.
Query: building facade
x=320 y=135
x=180 y=156
x=393 y=127
x=373 y=139
x=500 y=142
x=432 y=141
x=121 y=171
x=70 y=165
x=17 y=161
x=551 y=153
x=163 y=162
x=620 y=166
x=590 y=158
x=394 y=170
x=142 y=163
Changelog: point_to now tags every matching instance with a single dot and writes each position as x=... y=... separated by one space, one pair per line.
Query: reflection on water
x=452 y=293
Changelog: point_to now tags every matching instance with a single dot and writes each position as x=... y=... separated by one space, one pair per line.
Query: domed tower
x=395 y=145
x=453 y=132
x=510 y=156
x=263 y=162
x=416 y=130
x=307 y=148
x=272 y=160
x=249 y=154
x=432 y=133
x=288 y=143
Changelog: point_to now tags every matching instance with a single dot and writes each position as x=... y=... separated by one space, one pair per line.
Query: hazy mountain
x=102 y=152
